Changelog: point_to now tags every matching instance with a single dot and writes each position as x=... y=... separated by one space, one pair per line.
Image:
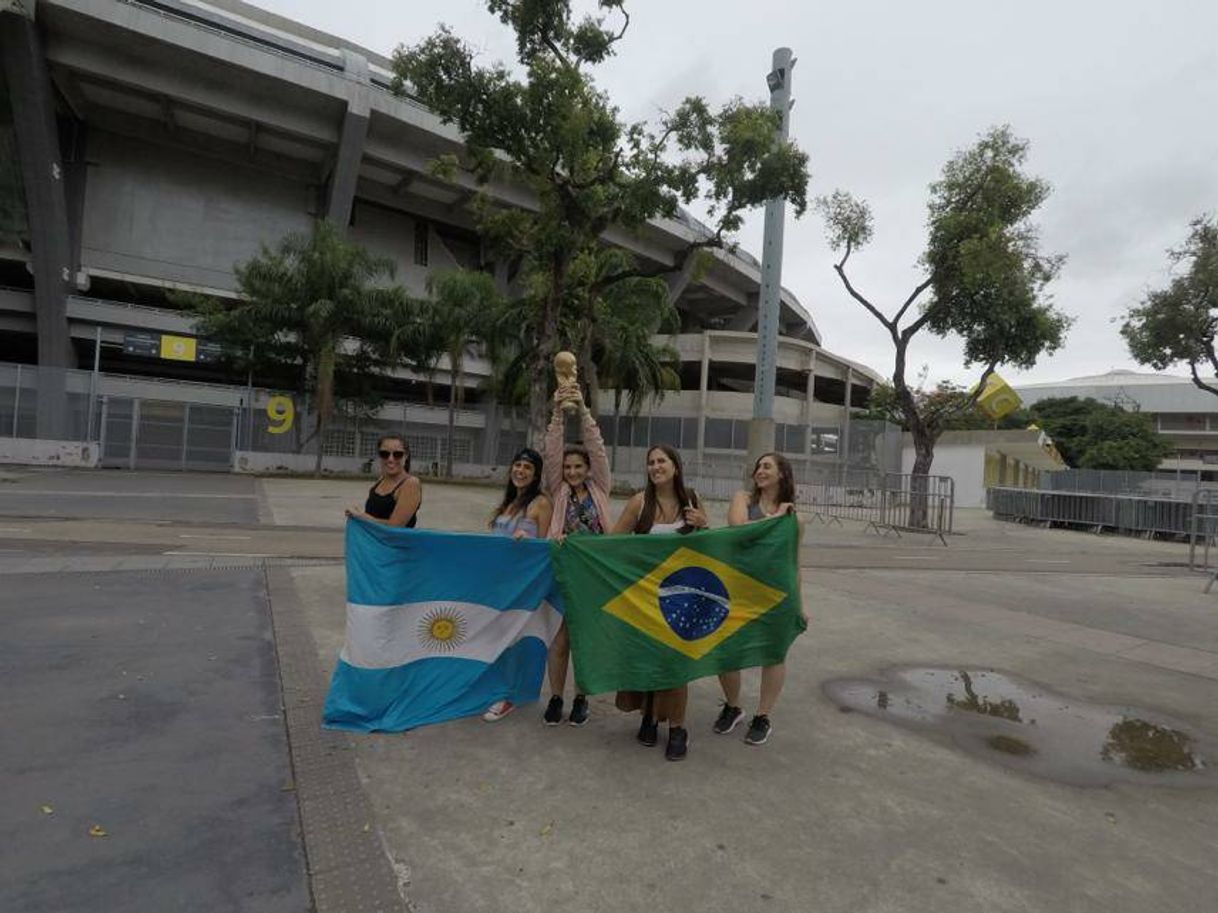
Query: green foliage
x=459 y=315
x=984 y=271
x=308 y=306
x=552 y=130
x=1094 y=435
x=987 y=273
x=1179 y=323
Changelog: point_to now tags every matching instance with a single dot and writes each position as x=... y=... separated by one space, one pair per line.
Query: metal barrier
x=1203 y=533
x=887 y=502
x=1146 y=516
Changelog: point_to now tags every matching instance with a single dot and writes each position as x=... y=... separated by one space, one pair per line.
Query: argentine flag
x=439 y=626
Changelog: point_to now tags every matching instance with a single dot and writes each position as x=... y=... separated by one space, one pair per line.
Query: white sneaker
x=498 y=711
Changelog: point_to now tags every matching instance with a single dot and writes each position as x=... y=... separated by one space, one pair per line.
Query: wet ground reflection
x=1024 y=726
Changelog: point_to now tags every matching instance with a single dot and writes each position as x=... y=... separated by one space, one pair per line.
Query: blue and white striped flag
x=439 y=626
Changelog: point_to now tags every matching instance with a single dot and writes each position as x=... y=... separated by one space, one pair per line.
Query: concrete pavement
x=839 y=811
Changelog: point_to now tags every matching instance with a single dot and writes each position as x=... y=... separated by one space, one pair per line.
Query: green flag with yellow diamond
x=646 y=613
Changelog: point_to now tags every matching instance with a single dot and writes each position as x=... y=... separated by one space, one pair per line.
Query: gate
x=163 y=434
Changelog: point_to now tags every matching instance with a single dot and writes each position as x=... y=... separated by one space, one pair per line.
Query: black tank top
x=381 y=505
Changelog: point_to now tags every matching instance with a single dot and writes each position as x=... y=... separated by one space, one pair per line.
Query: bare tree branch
x=913 y=296
x=875 y=312
x=912 y=329
x=1192 y=367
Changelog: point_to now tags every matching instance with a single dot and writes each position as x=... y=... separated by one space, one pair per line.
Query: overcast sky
x=1118 y=99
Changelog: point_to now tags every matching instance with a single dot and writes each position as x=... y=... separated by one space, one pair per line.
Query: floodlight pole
x=761 y=428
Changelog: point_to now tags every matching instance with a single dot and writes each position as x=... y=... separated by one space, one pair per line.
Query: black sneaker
x=648 y=732
x=579 y=711
x=729 y=716
x=759 y=730
x=553 y=714
x=678 y=744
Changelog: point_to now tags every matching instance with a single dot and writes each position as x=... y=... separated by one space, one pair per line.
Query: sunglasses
x=396 y=454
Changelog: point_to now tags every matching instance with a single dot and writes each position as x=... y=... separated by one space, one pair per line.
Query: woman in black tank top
x=395 y=497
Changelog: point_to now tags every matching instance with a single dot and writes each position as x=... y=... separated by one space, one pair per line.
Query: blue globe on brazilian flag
x=653 y=612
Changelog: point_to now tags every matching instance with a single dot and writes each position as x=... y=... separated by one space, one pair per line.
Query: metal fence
x=1122 y=513
x=1174 y=483
x=830 y=492
x=1203 y=535
x=163 y=423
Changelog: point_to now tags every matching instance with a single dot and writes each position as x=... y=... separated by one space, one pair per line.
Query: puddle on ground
x=1024 y=726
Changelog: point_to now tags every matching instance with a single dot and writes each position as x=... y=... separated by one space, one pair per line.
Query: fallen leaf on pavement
x=98 y=831
x=46 y=810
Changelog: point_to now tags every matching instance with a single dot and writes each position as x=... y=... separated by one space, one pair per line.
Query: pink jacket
x=599 y=483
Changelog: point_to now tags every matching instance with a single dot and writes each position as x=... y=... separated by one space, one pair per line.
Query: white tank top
x=666 y=527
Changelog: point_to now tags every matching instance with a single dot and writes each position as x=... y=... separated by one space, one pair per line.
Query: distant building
x=178 y=136
x=1182 y=412
x=977 y=460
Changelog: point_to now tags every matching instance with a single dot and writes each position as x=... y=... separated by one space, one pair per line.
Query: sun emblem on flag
x=442 y=630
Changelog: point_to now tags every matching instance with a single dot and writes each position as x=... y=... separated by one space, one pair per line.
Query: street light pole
x=761 y=428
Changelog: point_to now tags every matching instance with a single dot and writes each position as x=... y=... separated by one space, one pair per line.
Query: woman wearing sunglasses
x=395 y=498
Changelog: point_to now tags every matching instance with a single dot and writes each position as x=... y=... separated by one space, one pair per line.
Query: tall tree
x=1179 y=323
x=547 y=126
x=984 y=272
x=1093 y=435
x=313 y=301
x=461 y=314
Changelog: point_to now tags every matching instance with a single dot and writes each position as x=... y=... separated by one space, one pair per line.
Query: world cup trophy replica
x=567 y=391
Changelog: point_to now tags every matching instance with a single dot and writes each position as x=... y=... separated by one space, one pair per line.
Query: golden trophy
x=565 y=374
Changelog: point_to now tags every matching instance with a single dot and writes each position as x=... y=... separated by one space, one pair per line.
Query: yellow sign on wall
x=178 y=348
x=281 y=411
x=998 y=399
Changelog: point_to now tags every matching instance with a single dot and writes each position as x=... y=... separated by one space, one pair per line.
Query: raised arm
x=551 y=452
x=598 y=461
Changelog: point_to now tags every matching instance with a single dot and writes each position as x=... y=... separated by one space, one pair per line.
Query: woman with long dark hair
x=578 y=479
x=772 y=494
x=523 y=513
x=664 y=505
x=395 y=497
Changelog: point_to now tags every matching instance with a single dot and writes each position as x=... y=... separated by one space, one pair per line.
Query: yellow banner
x=998 y=399
x=178 y=348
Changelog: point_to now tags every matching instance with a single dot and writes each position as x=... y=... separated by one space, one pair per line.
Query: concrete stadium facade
x=159 y=143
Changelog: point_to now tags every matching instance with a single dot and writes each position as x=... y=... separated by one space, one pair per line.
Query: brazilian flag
x=646 y=613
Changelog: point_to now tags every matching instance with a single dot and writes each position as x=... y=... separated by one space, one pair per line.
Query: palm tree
x=317 y=299
x=461 y=313
x=635 y=367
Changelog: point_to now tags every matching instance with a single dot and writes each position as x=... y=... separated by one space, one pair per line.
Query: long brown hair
x=686 y=497
x=786 y=479
x=518 y=502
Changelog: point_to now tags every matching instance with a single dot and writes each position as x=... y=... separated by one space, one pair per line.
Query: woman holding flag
x=523 y=513
x=773 y=494
x=578 y=479
x=395 y=497
x=664 y=505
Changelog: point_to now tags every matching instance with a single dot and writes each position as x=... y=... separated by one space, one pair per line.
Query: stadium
x=147 y=146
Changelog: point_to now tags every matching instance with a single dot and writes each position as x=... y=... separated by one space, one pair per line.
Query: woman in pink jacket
x=577 y=478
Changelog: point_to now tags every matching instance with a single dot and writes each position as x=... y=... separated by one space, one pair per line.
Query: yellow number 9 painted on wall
x=280 y=410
